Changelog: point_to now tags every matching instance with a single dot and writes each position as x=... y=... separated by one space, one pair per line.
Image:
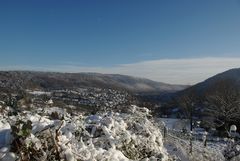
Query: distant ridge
x=17 y=80
x=232 y=75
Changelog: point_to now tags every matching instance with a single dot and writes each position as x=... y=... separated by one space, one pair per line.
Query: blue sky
x=99 y=35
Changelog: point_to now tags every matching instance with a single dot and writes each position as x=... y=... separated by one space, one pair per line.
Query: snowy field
x=177 y=143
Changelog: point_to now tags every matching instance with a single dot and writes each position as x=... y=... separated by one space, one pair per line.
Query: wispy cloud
x=175 y=71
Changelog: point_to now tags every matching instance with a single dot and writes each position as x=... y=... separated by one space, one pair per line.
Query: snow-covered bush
x=107 y=136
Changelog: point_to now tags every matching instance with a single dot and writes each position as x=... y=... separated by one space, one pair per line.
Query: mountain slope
x=229 y=78
x=15 y=80
x=232 y=75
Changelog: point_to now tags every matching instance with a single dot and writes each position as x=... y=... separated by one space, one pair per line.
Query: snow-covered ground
x=175 y=124
x=178 y=146
x=38 y=92
x=180 y=150
x=50 y=134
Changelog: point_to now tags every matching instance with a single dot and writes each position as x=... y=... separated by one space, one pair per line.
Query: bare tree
x=187 y=104
x=223 y=103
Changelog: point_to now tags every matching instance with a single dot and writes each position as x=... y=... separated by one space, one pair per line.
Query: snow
x=176 y=124
x=177 y=143
x=38 y=92
x=130 y=136
x=180 y=150
x=104 y=136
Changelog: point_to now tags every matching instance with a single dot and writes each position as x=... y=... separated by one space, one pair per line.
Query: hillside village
x=86 y=99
